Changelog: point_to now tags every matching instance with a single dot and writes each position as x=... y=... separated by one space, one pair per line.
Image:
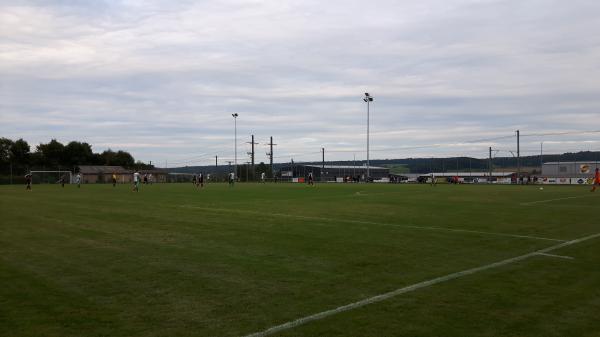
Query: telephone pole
x=235 y=116
x=252 y=157
x=490 y=166
x=368 y=99
x=270 y=154
x=216 y=161
x=322 y=163
x=518 y=158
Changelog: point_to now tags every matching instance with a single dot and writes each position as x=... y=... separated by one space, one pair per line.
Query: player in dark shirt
x=28 y=181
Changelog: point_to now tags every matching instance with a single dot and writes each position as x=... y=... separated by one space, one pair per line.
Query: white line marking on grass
x=559 y=256
x=551 y=200
x=373 y=223
x=413 y=287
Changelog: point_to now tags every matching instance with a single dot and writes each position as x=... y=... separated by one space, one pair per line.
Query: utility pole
x=490 y=166
x=270 y=154
x=541 y=157
x=518 y=157
x=322 y=163
x=368 y=99
x=252 y=157
x=229 y=162
x=235 y=116
x=216 y=161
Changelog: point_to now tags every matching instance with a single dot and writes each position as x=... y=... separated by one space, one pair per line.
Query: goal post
x=50 y=177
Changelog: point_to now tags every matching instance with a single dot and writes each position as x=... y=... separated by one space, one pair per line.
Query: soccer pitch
x=294 y=260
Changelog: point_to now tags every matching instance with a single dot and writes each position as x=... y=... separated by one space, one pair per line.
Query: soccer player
x=201 y=180
x=311 y=181
x=596 y=180
x=28 y=178
x=62 y=181
x=262 y=177
x=194 y=180
x=231 y=179
x=78 y=180
x=136 y=181
x=114 y=179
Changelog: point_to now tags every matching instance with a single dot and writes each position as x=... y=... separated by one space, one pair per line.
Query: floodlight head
x=364 y=99
x=367 y=94
x=235 y=115
x=371 y=99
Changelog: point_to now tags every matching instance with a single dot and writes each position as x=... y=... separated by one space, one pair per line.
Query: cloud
x=161 y=79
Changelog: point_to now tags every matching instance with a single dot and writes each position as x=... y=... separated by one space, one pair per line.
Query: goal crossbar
x=60 y=173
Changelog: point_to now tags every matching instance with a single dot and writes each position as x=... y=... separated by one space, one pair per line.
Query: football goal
x=51 y=177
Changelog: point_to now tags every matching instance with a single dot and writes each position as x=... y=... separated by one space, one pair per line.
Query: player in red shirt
x=596 y=180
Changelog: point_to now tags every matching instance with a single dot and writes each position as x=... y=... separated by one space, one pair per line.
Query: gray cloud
x=161 y=79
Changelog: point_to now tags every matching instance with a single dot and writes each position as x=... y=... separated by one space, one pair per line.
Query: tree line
x=18 y=156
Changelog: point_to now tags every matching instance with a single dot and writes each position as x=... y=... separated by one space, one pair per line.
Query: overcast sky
x=161 y=78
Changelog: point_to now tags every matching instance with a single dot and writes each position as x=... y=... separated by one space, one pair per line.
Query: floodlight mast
x=235 y=116
x=368 y=99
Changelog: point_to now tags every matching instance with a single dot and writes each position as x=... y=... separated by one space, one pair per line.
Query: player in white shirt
x=231 y=179
x=136 y=181
x=262 y=177
x=78 y=180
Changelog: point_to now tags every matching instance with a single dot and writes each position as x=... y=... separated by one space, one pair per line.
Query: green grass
x=172 y=260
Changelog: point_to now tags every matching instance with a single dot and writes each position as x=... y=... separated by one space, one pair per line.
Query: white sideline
x=559 y=256
x=550 y=200
x=373 y=223
x=385 y=296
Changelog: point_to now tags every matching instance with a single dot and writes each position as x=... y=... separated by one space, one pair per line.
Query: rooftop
x=102 y=169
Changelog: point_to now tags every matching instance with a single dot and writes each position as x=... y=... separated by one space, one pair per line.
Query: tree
x=52 y=153
x=5 y=157
x=260 y=168
x=108 y=157
x=19 y=152
x=139 y=165
x=124 y=159
x=76 y=153
x=120 y=158
x=5 y=145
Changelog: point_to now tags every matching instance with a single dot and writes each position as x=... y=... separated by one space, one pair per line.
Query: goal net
x=51 y=177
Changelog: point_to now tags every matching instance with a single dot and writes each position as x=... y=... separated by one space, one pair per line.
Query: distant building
x=158 y=175
x=569 y=169
x=91 y=174
x=468 y=177
x=332 y=172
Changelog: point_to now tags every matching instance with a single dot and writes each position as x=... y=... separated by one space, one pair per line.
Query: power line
x=560 y=133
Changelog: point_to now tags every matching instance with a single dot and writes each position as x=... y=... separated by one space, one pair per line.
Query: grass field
x=172 y=260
